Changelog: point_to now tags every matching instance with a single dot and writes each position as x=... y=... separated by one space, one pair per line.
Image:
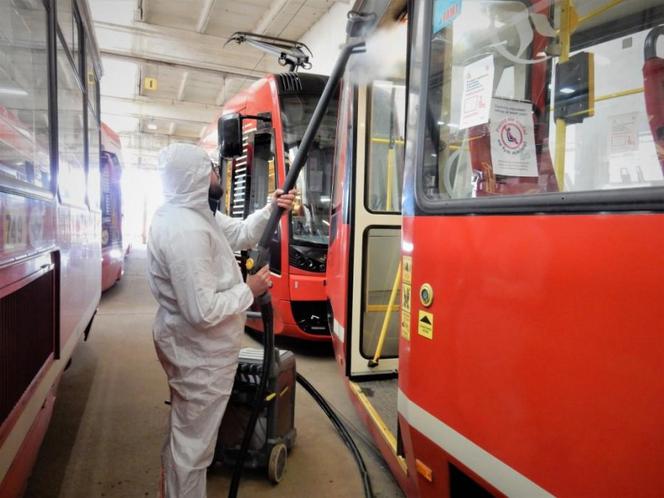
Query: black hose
x=343 y=432
x=262 y=258
x=259 y=399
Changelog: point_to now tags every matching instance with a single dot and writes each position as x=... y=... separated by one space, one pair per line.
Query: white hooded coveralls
x=194 y=277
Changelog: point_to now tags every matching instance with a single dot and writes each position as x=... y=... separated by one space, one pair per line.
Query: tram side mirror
x=229 y=129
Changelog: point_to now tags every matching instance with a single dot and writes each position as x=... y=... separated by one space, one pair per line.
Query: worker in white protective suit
x=202 y=298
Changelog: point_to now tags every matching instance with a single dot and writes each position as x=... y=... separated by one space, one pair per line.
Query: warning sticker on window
x=477 y=92
x=425 y=324
x=513 y=138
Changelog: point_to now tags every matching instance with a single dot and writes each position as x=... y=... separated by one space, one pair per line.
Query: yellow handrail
x=377 y=308
x=378 y=140
x=616 y=95
x=386 y=320
x=599 y=10
x=390 y=172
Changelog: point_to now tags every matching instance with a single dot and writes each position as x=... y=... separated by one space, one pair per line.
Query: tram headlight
x=312 y=259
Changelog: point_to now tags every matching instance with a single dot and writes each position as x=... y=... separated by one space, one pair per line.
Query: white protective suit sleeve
x=194 y=279
x=244 y=234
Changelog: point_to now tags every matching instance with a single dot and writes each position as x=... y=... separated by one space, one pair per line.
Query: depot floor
x=110 y=418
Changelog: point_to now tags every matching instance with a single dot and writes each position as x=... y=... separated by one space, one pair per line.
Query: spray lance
x=260 y=256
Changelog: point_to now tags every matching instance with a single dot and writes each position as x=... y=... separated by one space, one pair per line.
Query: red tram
x=112 y=246
x=50 y=221
x=283 y=104
x=520 y=284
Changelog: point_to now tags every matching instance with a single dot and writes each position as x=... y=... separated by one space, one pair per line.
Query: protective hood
x=185 y=176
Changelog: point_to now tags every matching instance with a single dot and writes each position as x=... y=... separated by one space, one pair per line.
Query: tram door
x=376 y=296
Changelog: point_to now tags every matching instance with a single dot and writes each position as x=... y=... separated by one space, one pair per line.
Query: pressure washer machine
x=275 y=430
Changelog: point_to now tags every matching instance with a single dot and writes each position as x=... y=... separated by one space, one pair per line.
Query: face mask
x=215 y=193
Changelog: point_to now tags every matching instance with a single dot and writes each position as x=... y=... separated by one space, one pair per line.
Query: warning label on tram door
x=405 y=325
x=407 y=269
x=425 y=324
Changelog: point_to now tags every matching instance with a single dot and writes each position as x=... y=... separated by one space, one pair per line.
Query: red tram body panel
x=50 y=249
x=299 y=251
x=528 y=249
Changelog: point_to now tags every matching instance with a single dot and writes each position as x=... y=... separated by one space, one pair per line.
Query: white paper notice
x=624 y=136
x=477 y=92
x=513 y=138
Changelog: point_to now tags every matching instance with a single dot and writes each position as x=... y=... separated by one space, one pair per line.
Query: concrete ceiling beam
x=142 y=9
x=139 y=59
x=163 y=109
x=183 y=85
x=149 y=42
x=221 y=96
x=206 y=13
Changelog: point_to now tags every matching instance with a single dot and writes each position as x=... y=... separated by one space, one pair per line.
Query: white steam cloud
x=385 y=57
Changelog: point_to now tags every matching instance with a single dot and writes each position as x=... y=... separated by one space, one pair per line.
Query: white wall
x=326 y=36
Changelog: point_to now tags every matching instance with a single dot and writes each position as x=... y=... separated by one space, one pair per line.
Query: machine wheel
x=277 y=463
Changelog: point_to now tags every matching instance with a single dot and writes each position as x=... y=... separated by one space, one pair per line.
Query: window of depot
x=91 y=80
x=24 y=116
x=520 y=103
x=69 y=25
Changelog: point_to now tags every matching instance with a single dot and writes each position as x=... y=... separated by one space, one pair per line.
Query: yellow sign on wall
x=150 y=83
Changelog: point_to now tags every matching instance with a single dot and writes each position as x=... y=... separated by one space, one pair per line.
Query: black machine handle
x=650 y=45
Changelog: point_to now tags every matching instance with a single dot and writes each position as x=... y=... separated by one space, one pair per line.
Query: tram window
x=492 y=124
x=71 y=133
x=24 y=122
x=91 y=80
x=310 y=215
x=263 y=179
x=385 y=135
x=382 y=246
x=68 y=25
x=93 y=161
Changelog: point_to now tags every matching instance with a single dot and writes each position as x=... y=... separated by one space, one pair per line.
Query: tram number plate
x=425 y=324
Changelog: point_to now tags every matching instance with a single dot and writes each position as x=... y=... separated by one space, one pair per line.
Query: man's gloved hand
x=260 y=282
x=284 y=200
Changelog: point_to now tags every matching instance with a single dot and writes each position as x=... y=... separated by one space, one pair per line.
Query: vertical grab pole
x=390 y=172
x=566 y=12
x=386 y=320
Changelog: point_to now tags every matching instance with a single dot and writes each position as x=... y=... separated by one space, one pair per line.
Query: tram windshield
x=310 y=218
x=528 y=97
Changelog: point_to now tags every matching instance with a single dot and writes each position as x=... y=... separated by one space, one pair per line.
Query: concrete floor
x=110 y=418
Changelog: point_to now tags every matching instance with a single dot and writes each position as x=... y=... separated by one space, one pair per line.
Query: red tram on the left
x=50 y=221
